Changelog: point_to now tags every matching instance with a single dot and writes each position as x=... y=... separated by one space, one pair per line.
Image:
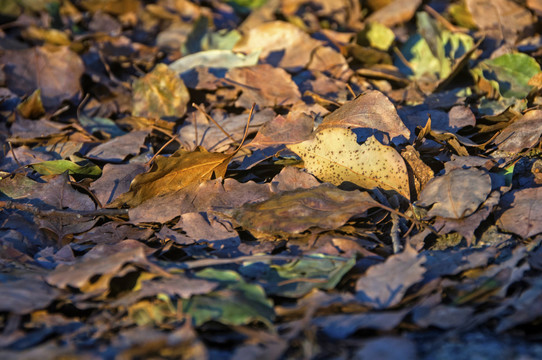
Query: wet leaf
x=160 y=93
x=456 y=194
x=335 y=156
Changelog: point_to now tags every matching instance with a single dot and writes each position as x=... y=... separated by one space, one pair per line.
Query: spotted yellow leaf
x=334 y=155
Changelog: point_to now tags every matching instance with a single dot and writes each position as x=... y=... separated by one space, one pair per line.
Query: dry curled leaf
x=335 y=156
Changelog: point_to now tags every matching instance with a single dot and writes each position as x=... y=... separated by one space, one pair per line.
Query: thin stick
x=213 y=121
x=159 y=151
x=250 y=114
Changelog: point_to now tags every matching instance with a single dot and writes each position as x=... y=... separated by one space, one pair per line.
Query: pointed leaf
x=173 y=173
x=335 y=156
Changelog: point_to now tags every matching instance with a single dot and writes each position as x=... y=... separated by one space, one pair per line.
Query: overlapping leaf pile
x=381 y=200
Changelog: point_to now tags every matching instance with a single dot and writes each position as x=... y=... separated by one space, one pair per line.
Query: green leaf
x=298 y=278
x=508 y=74
x=377 y=36
x=237 y=304
x=78 y=166
x=433 y=51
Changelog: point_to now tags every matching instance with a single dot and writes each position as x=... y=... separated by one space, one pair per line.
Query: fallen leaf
x=223 y=59
x=522 y=212
x=40 y=68
x=160 y=93
x=118 y=149
x=508 y=75
x=26 y=295
x=523 y=133
x=396 y=12
x=501 y=19
x=384 y=285
x=282 y=44
x=467 y=225
x=335 y=156
x=371 y=110
x=283 y=130
x=264 y=85
x=170 y=174
x=292 y=212
x=456 y=194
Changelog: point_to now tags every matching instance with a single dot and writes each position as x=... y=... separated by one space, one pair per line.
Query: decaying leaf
x=292 y=212
x=523 y=133
x=384 y=285
x=456 y=194
x=160 y=93
x=523 y=212
x=335 y=156
x=169 y=174
x=39 y=67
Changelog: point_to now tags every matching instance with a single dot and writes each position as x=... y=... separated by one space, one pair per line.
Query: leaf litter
x=385 y=202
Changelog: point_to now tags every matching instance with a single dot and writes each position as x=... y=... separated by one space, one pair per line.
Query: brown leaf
x=467 y=225
x=118 y=149
x=26 y=295
x=228 y=193
x=335 y=156
x=396 y=12
x=523 y=212
x=53 y=69
x=523 y=133
x=502 y=19
x=160 y=93
x=292 y=212
x=115 y=180
x=291 y=129
x=283 y=44
x=264 y=85
x=78 y=276
x=170 y=174
x=371 y=110
x=456 y=194
x=384 y=285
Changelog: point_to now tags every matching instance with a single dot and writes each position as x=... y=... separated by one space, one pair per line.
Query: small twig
x=210 y=118
x=250 y=114
x=160 y=150
x=448 y=25
x=351 y=90
x=61 y=212
x=402 y=58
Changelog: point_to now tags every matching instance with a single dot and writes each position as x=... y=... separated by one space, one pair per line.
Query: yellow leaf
x=173 y=173
x=335 y=156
